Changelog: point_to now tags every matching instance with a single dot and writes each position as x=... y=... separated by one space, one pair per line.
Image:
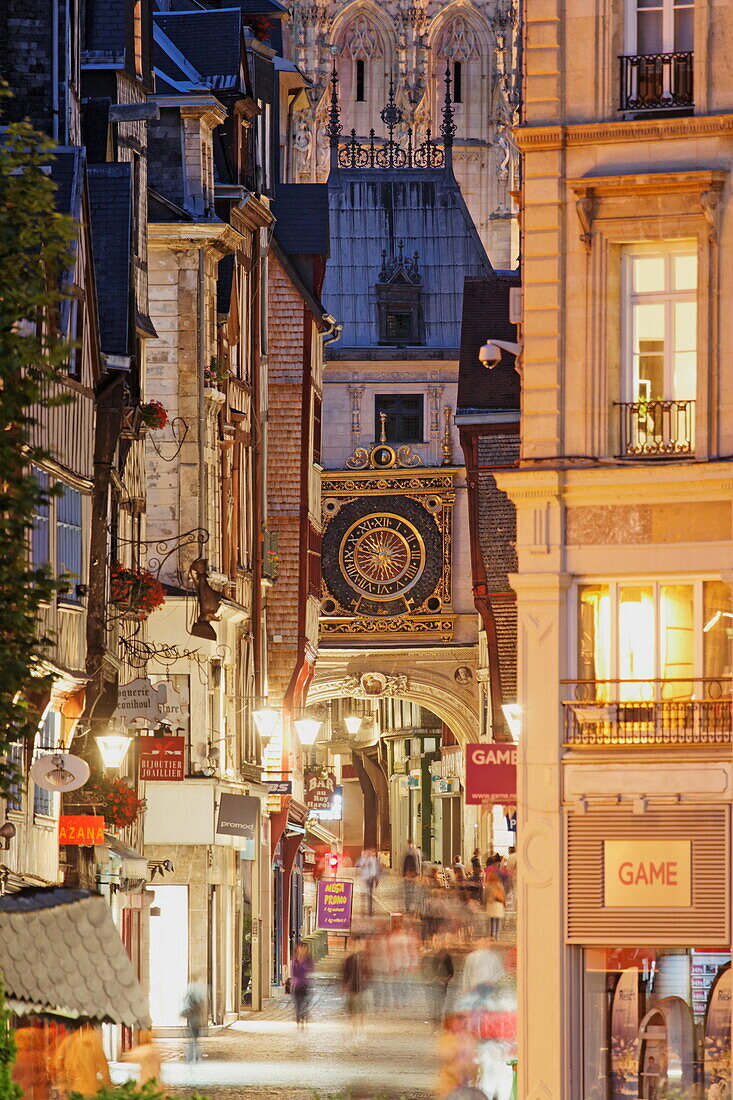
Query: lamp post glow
x=352 y=723
x=113 y=748
x=266 y=720
x=307 y=730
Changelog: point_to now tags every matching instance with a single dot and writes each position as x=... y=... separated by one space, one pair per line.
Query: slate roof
x=67 y=172
x=110 y=202
x=104 y=30
x=486 y=314
x=61 y=953
x=262 y=7
x=370 y=210
x=210 y=41
x=301 y=218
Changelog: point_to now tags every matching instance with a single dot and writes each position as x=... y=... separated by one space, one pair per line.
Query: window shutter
x=704 y=923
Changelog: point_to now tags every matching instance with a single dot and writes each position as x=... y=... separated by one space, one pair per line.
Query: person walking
x=495 y=902
x=411 y=867
x=354 y=980
x=80 y=1063
x=370 y=870
x=195 y=1014
x=301 y=969
x=439 y=972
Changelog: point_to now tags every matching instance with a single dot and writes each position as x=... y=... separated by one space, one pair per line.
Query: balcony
x=656 y=429
x=631 y=713
x=656 y=82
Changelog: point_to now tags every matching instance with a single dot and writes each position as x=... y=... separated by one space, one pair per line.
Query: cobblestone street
x=264 y=1054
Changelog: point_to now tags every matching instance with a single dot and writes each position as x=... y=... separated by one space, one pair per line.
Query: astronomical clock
x=386 y=555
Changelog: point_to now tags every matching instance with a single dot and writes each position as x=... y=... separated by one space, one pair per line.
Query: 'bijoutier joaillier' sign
x=647 y=874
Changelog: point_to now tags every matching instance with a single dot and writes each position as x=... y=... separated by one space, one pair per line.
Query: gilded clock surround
x=387 y=542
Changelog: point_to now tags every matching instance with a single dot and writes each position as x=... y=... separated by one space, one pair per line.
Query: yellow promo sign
x=647 y=874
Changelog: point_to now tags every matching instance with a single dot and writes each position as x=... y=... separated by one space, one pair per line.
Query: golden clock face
x=382 y=556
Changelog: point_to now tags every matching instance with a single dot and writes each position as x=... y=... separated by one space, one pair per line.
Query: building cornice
x=218 y=236
x=616 y=132
x=645 y=483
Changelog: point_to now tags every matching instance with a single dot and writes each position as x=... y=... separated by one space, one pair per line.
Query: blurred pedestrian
x=147 y=1055
x=194 y=1012
x=370 y=870
x=301 y=968
x=439 y=972
x=355 y=980
x=457 y=1054
x=411 y=867
x=495 y=902
x=80 y=1063
x=31 y=1064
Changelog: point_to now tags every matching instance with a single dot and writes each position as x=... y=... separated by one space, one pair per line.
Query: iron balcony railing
x=648 y=712
x=656 y=81
x=656 y=429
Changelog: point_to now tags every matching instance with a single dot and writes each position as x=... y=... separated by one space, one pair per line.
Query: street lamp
x=307 y=729
x=266 y=720
x=113 y=748
x=352 y=723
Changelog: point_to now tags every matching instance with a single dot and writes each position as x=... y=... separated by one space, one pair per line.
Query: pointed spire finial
x=448 y=126
x=334 y=127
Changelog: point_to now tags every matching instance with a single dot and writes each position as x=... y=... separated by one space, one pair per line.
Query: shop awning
x=60 y=953
x=131 y=865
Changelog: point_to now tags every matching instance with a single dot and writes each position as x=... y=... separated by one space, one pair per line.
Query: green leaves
x=35 y=254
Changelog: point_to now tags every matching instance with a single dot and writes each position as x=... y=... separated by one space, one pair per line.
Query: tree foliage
x=35 y=252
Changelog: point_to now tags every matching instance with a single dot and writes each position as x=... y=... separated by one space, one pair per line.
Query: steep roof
x=301 y=218
x=374 y=209
x=61 y=953
x=110 y=203
x=486 y=315
x=209 y=40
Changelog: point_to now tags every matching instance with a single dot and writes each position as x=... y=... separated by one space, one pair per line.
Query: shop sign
x=491 y=774
x=279 y=786
x=334 y=906
x=238 y=817
x=162 y=758
x=320 y=787
x=85 y=829
x=335 y=810
x=647 y=874
x=413 y=780
x=139 y=699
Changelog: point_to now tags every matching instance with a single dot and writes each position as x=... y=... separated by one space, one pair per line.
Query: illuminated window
x=137 y=35
x=633 y=636
x=660 y=322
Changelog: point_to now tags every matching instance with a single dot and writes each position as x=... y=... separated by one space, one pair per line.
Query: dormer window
x=400 y=300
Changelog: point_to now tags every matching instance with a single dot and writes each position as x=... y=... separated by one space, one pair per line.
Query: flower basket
x=136 y=591
x=216 y=373
x=153 y=414
x=116 y=800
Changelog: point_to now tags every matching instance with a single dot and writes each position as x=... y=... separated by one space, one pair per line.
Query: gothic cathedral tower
x=412 y=43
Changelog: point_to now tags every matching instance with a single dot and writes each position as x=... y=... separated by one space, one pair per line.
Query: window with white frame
x=46 y=741
x=69 y=552
x=645 y=639
x=659 y=322
x=659 y=26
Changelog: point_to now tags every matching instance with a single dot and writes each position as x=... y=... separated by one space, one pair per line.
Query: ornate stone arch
x=452 y=707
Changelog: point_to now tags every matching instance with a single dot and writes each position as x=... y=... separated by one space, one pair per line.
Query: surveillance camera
x=490 y=353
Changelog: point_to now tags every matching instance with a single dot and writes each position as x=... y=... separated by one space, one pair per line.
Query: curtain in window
x=718 y=633
x=594 y=640
x=45 y=742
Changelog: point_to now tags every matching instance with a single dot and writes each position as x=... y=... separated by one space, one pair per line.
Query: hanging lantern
x=307 y=729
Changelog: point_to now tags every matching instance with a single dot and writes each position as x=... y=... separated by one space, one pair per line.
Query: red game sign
x=491 y=774
x=85 y=829
x=162 y=758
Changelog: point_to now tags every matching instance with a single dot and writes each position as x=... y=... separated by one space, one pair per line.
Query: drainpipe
x=202 y=509
x=55 y=70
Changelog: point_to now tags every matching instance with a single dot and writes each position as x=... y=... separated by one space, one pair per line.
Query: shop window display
x=657 y=1024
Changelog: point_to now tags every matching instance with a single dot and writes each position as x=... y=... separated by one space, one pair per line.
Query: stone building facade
x=373 y=45
x=625 y=544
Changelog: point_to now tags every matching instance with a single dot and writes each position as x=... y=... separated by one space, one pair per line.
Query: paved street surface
x=263 y=1054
